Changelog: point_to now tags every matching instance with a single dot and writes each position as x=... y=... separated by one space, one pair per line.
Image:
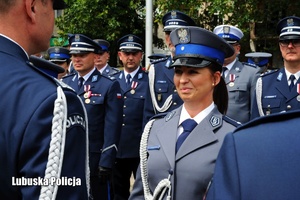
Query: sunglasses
x=285 y=43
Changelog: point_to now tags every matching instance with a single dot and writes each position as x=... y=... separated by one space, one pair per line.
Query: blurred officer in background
x=279 y=90
x=168 y=170
x=43 y=123
x=162 y=96
x=260 y=59
x=61 y=57
x=240 y=78
x=102 y=99
x=259 y=161
x=101 y=62
x=134 y=83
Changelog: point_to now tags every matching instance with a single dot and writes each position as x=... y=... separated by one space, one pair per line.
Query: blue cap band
x=205 y=51
x=104 y=48
x=260 y=63
x=229 y=36
x=59 y=55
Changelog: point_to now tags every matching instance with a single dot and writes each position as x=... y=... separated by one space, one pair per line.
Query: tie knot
x=189 y=125
x=224 y=69
x=128 y=78
x=292 y=77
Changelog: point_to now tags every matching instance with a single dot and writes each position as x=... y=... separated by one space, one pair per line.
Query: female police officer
x=168 y=170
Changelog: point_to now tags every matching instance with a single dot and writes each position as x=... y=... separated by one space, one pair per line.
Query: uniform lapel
x=167 y=135
x=94 y=77
x=236 y=70
x=281 y=84
x=168 y=72
x=202 y=135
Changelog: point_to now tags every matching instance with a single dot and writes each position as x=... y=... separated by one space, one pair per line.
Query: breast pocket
x=94 y=100
x=271 y=105
x=161 y=87
x=239 y=92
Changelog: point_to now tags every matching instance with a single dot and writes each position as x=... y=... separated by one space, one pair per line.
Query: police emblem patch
x=214 y=121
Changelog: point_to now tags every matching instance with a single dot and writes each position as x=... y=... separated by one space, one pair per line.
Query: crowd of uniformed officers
x=163 y=124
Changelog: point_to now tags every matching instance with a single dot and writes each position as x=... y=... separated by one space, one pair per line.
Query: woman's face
x=195 y=85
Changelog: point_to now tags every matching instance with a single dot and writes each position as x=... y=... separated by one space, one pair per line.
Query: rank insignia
x=214 y=121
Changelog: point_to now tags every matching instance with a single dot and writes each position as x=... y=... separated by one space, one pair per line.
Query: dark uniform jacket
x=163 y=87
x=134 y=100
x=26 y=121
x=110 y=71
x=104 y=109
x=275 y=96
x=260 y=161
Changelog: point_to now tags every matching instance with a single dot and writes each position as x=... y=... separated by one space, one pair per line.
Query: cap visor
x=289 y=37
x=190 y=62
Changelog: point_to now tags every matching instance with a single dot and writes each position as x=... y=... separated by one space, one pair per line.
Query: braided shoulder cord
x=57 y=146
x=164 y=184
x=259 y=96
x=168 y=101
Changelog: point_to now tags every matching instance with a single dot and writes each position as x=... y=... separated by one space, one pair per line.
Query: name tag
x=157 y=147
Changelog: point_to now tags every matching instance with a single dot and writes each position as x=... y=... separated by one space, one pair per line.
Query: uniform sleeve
x=148 y=108
x=253 y=90
x=225 y=183
x=112 y=125
x=137 y=192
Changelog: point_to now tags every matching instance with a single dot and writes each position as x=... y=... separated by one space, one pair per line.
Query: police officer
x=240 y=78
x=162 y=95
x=259 y=160
x=260 y=59
x=102 y=99
x=43 y=139
x=101 y=62
x=134 y=82
x=178 y=153
x=278 y=91
x=61 y=57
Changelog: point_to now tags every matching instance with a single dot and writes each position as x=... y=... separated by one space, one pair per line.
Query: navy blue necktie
x=128 y=79
x=80 y=82
x=292 y=78
x=188 y=125
x=224 y=69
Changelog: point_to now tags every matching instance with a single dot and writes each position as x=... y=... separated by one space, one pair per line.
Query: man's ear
x=30 y=6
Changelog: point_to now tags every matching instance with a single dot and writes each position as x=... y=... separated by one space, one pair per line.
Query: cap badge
x=56 y=50
x=77 y=38
x=130 y=39
x=173 y=15
x=183 y=35
x=226 y=29
x=290 y=22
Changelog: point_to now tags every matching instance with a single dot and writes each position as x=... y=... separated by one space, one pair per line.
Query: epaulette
x=231 y=121
x=250 y=64
x=158 y=116
x=109 y=77
x=268 y=72
x=46 y=66
x=114 y=71
x=66 y=76
x=62 y=84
